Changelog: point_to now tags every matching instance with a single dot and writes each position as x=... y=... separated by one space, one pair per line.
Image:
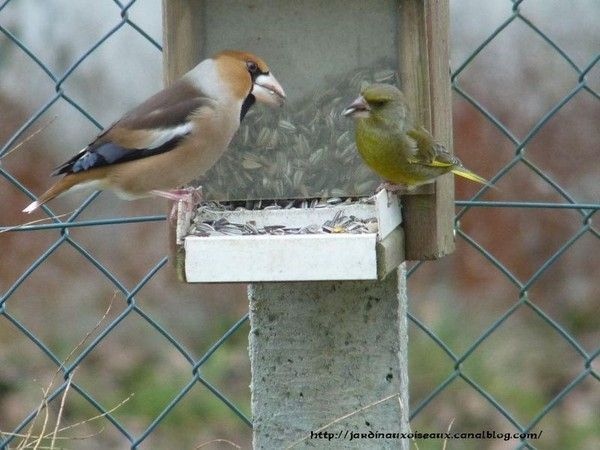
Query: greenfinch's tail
x=466 y=173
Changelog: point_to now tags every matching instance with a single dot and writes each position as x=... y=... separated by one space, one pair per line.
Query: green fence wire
x=586 y=210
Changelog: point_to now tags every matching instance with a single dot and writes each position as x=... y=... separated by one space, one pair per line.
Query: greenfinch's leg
x=392 y=187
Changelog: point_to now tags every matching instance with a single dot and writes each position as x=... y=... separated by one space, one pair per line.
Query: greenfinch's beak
x=358 y=108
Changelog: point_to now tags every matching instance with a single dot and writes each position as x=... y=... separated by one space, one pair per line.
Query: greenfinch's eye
x=377 y=103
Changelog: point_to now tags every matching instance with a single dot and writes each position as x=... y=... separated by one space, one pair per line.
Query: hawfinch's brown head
x=248 y=75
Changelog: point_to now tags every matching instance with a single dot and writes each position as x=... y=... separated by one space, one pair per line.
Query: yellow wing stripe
x=436 y=163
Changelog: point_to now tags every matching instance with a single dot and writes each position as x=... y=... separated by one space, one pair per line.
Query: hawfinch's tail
x=58 y=188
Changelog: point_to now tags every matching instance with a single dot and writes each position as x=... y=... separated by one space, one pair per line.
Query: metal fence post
x=329 y=357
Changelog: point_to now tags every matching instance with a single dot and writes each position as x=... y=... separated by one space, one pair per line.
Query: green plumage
x=392 y=147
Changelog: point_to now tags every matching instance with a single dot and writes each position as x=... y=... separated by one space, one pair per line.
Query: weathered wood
x=182 y=50
x=182 y=43
x=390 y=253
x=425 y=78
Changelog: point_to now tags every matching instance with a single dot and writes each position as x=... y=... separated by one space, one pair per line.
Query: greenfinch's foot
x=394 y=188
x=391 y=189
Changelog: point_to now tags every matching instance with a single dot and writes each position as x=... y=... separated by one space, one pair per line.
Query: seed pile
x=306 y=150
x=203 y=225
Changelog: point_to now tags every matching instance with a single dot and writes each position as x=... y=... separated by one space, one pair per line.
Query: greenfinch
x=404 y=155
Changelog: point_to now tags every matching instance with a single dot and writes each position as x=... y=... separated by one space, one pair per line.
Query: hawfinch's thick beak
x=358 y=108
x=267 y=90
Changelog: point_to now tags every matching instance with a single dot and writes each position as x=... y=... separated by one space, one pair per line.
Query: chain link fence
x=426 y=396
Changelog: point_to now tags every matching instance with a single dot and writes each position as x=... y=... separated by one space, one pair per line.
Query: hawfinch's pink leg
x=190 y=196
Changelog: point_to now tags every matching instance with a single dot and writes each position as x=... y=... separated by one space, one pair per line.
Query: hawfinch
x=174 y=136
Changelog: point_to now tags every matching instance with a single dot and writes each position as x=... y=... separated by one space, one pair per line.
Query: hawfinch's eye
x=252 y=67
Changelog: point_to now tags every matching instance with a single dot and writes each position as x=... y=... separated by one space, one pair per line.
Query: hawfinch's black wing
x=154 y=127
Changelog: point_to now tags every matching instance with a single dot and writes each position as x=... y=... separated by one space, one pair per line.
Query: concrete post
x=329 y=358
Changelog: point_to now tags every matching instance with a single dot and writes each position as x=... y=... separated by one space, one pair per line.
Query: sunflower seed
x=250 y=164
x=274 y=140
x=204 y=227
x=297 y=177
x=286 y=125
x=231 y=231
x=263 y=137
x=384 y=75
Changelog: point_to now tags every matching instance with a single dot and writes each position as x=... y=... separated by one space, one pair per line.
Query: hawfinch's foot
x=191 y=197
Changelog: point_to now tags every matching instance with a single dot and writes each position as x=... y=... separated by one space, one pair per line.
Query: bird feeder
x=328 y=240
x=291 y=208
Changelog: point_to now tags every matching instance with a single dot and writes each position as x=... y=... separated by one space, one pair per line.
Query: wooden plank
x=389 y=213
x=425 y=78
x=182 y=50
x=390 y=253
x=182 y=43
x=307 y=257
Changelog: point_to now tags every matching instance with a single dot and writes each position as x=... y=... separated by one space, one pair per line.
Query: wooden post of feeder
x=425 y=79
x=182 y=50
